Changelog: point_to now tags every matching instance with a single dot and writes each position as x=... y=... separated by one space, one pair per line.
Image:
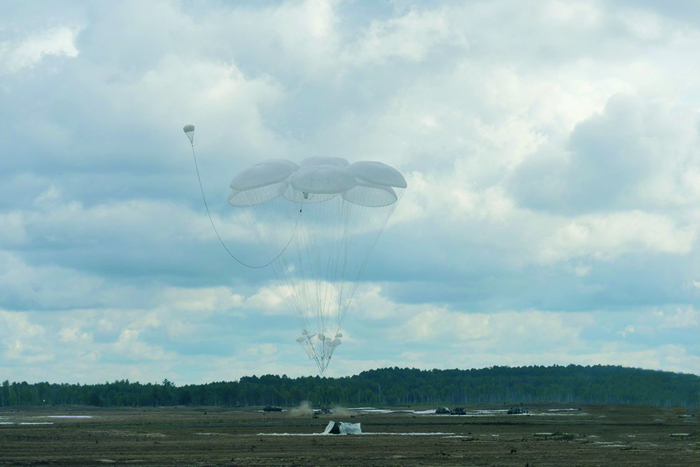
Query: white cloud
x=28 y=52
x=269 y=299
x=201 y=300
x=411 y=37
x=215 y=95
x=22 y=341
x=138 y=221
x=669 y=357
x=639 y=152
x=12 y=229
x=605 y=237
x=576 y=14
x=44 y=286
x=306 y=31
x=629 y=329
x=49 y=198
x=74 y=335
x=643 y=24
x=681 y=318
x=128 y=345
x=499 y=332
x=262 y=351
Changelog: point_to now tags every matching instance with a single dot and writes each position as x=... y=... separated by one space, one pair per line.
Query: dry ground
x=593 y=436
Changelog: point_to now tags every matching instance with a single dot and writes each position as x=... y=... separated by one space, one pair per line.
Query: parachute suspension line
x=328 y=266
x=343 y=300
x=211 y=221
x=382 y=219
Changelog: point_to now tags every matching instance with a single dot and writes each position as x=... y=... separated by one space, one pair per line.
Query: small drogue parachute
x=189 y=131
x=326 y=214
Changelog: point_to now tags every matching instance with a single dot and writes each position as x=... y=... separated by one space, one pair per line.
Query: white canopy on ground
x=342 y=428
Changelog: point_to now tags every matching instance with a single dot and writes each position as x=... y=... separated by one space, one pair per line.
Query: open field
x=552 y=435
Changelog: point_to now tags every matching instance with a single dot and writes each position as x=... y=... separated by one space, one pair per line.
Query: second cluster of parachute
x=322 y=218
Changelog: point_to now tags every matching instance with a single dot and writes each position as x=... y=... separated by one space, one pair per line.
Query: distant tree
x=94 y=399
x=5 y=393
x=394 y=386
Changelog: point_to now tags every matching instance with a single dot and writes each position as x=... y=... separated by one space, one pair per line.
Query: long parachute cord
x=211 y=221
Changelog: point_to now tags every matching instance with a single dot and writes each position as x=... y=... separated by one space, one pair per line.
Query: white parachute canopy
x=325 y=215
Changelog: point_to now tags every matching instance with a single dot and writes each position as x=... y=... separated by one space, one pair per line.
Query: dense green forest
x=389 y=386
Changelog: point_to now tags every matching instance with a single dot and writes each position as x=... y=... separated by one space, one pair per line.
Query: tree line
x=386 y=387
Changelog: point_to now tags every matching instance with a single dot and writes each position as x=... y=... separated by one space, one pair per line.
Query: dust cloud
x=303 y=410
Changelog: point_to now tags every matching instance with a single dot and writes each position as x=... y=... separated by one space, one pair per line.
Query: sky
x=551 y=150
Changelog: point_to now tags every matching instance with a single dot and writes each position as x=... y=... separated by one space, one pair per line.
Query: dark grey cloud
x=633 y=155
x=683 y=11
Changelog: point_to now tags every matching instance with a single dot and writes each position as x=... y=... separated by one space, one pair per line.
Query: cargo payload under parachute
x=316 y=224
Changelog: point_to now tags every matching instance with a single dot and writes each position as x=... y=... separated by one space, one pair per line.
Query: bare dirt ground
x=551 y=435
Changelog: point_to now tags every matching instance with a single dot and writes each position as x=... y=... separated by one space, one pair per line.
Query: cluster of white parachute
x=317 y=223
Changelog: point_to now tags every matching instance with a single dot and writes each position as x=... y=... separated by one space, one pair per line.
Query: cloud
x=680 y=318
x=129 y=346
x=551 y=151
x=21 y=339
x=410 y=37
x=29 y=51
x=53 y=287
x=637 y=154
x=671 y=357
x=493 y=331
x=201 y=300
x=13 y=232
x=74 y=335
x=270 y=299
x=605 y=237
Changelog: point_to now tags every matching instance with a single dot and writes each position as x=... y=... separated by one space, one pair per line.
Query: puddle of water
x=363 y=434
x=558 y=414
x=436 y=433
x=471 y=413
x=610 y=444
x=68 y=416
x=375 y=410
